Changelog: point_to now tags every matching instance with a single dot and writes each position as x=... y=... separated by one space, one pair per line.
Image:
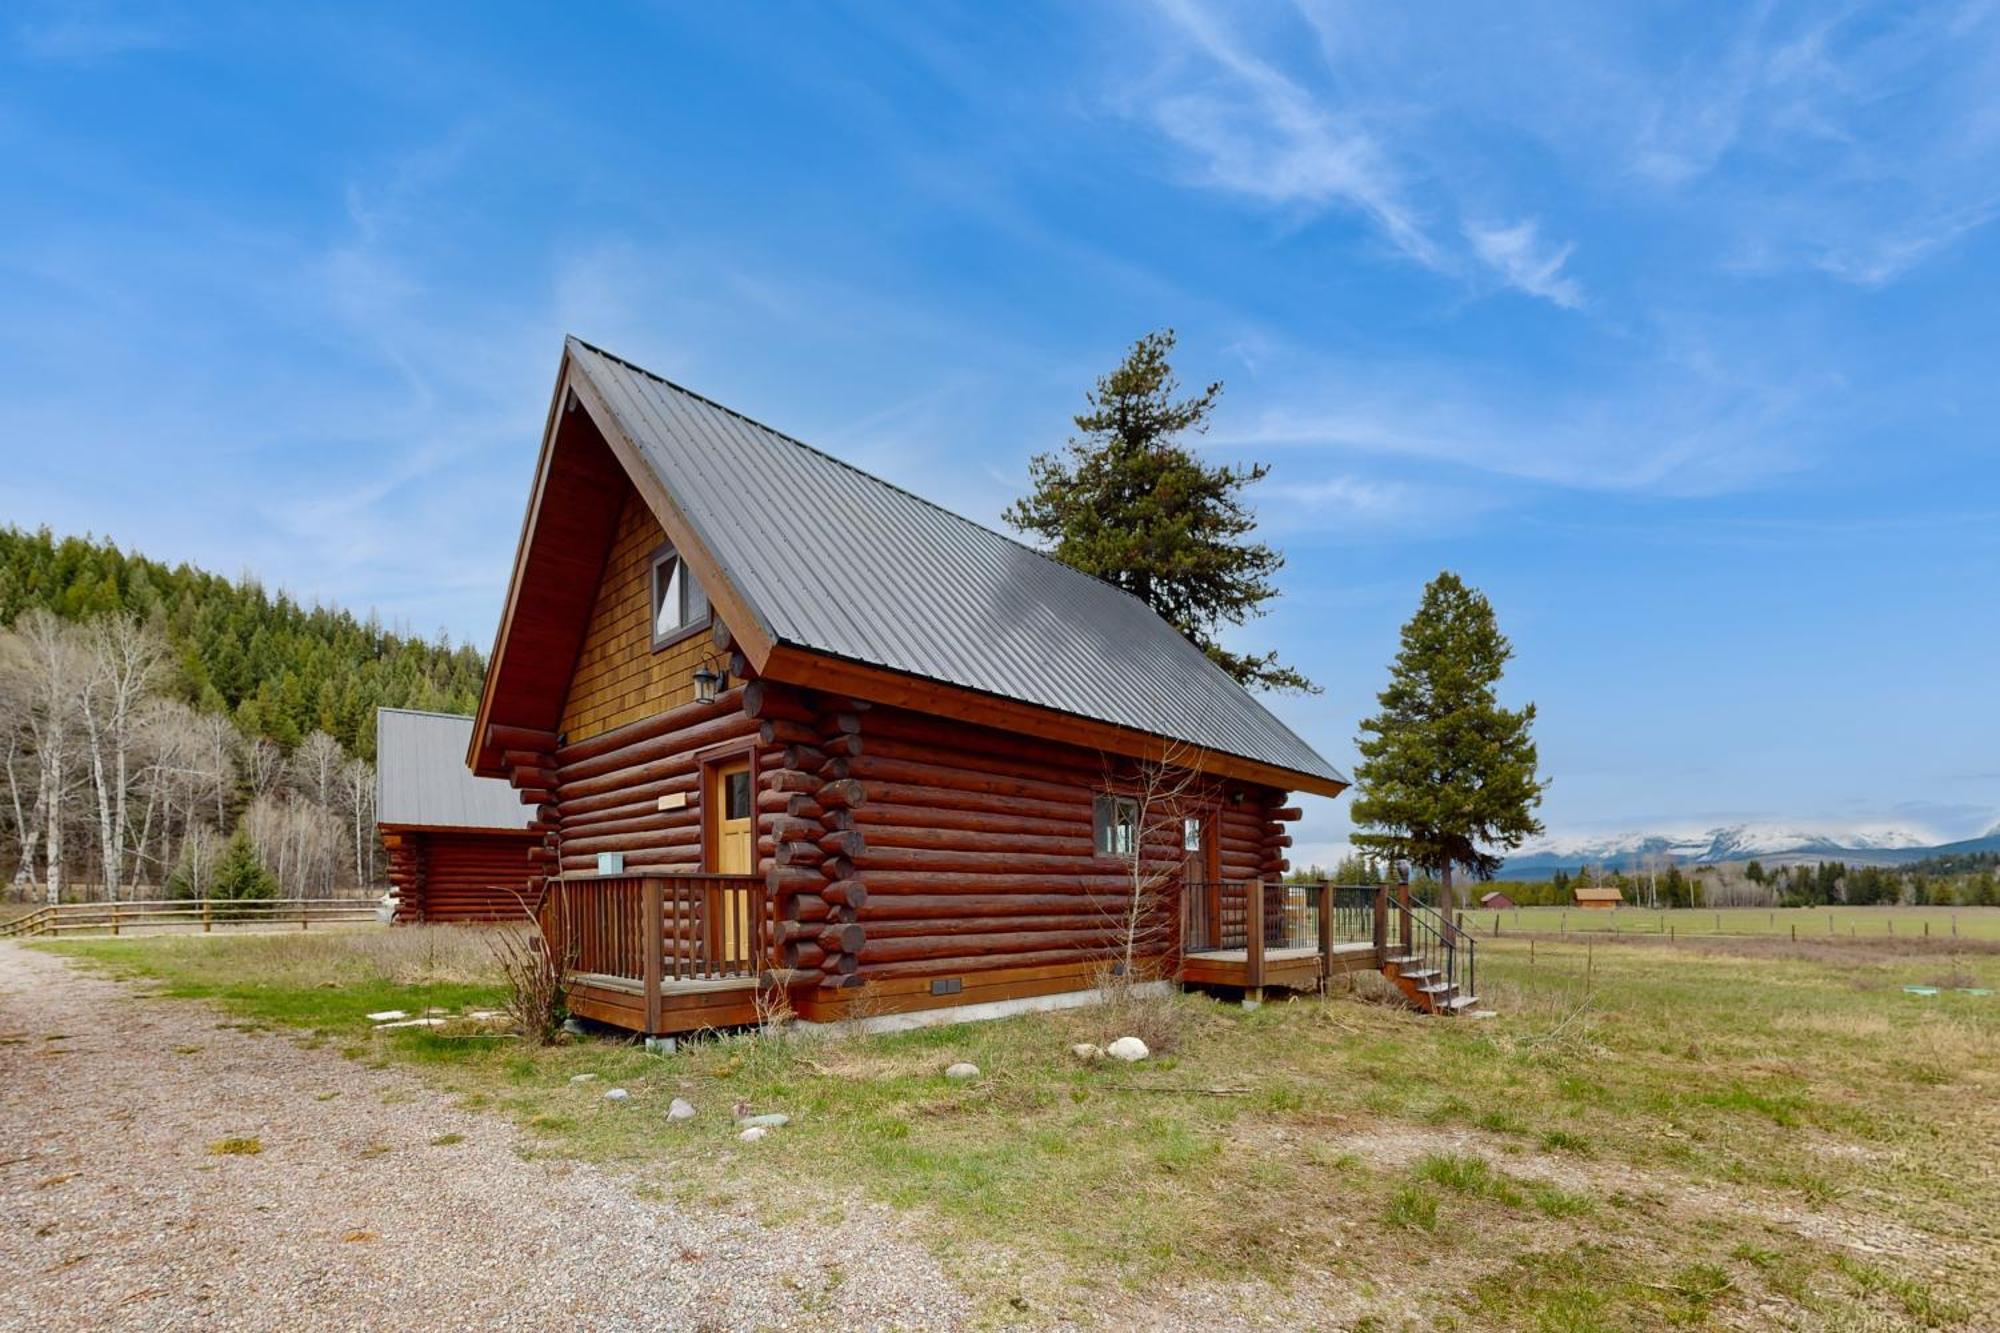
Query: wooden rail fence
x=188 y=913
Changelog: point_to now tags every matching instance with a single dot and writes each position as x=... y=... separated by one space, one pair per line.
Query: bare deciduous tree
x=123 y=656
x=48 y=670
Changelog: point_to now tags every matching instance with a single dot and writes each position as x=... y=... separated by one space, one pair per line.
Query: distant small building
x=1598 y=899
x=458 y=844
x=1495 y=901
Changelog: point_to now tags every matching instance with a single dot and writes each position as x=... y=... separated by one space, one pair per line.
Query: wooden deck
x=663 y=954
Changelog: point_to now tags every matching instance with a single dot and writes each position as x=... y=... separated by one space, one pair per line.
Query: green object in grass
x=1974 y=990
x=1921 y=990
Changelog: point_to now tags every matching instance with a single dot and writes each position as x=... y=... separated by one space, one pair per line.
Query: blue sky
x=1673 y=331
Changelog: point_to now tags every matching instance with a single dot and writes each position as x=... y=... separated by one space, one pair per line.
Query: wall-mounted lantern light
x=709 y=678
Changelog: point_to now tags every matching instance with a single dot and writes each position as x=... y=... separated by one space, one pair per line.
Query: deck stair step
x=1441 y=988
x=1460 y=1003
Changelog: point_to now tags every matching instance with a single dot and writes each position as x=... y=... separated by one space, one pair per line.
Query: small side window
x=678 y=600
x=1191 y=833
x=1117 y=825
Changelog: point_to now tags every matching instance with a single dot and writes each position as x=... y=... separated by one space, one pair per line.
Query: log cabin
x=794 y=738
x=458 y=844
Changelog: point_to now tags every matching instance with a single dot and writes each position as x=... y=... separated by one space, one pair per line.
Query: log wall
x=897 y=848
x=462 y=876
x=619 y=679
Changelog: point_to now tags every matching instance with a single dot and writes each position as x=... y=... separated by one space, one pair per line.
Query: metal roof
x=837 y=561
x=421 y=777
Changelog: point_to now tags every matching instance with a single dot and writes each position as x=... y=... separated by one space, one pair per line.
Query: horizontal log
x=937 y=881
x=992 y=948
x=662 y=757
x=519 y=738
x=535 y=795
x=782 y=731
x=1287 y=814
x=683 y=718
x=846 y=892
x=771 y=699
x=644 y=796
x=911 y=818
x=528 y=759
x=791 y=780
x=532 y=777
x=841 y=794
x=954 y=798
x=1073 y=845
x=805 y=758
x=970 y=964
x=781 y=881
x=940 y=906
x=839 y=843
x=843 y=937
x=840 y=747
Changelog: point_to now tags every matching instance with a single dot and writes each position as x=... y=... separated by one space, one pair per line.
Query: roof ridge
x=425 y=712
x=864 y=472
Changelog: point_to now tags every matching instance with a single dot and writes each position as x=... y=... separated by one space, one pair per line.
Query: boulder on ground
x=1127 y=1049
x=962 y=1071
x=771 y=1121
x=755 y=1132
x=679 y=1109
x=583 y=1078
x=616 y=1094
x=1088 y=1052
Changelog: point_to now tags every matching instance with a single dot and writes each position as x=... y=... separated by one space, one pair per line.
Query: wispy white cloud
x=1517 y=254
x=1252 y=130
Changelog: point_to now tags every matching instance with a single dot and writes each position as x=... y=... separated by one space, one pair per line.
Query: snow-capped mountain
x=1732 y=842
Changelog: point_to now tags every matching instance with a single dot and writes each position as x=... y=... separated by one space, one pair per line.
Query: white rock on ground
x=616 y=1094
x=1128 y=1049
x=1087 y=1052
x=962 y=1071
x=583 y=1078
x=680 y=1109
x=325 y=1229
x=387 y=1015
x=755 y=1132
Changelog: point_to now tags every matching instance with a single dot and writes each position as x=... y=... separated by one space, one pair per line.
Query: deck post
x=1326 y=933
x=651 y=923
x=1403 y=909
x=1253 y=936
x=1381 y=924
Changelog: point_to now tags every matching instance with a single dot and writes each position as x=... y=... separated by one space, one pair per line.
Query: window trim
x=1105 y=811
x=661 y=554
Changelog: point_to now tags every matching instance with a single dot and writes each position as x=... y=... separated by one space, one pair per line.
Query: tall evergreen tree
x=1129 y=502
x=1447 y=776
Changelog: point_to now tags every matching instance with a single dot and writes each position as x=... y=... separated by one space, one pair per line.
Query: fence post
x=204 y=914
x=1253 y=940
x=114 y=918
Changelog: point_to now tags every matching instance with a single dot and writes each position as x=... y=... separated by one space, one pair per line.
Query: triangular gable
x=830 y=578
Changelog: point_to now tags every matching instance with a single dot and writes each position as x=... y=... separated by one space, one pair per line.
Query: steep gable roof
x=814 y=556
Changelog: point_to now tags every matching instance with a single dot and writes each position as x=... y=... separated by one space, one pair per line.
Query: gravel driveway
x=115 y=1213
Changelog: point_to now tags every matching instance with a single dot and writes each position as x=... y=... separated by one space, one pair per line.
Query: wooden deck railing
x=1258 y=917
x=653 y=930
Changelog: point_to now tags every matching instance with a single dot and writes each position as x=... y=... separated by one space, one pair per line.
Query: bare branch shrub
x=536 y=972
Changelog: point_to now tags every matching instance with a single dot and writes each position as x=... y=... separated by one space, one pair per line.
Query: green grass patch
x=1628 y=1145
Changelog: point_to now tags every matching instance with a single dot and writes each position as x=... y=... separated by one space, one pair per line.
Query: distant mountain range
x=1773 y=844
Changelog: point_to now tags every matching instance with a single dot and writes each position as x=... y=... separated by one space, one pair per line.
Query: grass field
x=1809 y=923
x=1702 y=1133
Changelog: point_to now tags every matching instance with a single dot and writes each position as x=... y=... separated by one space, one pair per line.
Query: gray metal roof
x=837 y=561
x=421 y=777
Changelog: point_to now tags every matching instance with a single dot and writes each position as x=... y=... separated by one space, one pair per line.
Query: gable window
x=1117 y=825
x=679 y=604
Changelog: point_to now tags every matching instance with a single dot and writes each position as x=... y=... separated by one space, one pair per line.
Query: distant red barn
x=1598 y=899
x=1495 y=901
x=458 y=844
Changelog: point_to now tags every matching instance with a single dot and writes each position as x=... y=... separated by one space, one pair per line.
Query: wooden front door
x=732 y=850
x=733 y=827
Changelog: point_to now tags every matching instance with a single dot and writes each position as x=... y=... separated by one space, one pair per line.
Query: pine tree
x=1447 y=776
x=1129 y=502
x=240 y=875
